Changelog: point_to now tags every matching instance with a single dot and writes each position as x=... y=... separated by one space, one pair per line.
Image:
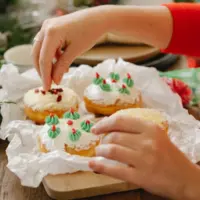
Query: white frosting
x=39 y=101
x=96 y=94
x=58 y=143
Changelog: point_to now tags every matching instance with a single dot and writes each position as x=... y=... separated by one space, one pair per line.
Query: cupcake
x=147 y=114
x=38 y=104
x=70 y=134
x=106 y=96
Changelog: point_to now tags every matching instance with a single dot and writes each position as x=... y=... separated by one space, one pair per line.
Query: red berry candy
x=71 y=110
x=97 y=75
x=36 y=90
x=114 y=81
x=70 y=122
x=128 y=76
x=55 y=92
x=73 y=130
x=43 y=92
x=87 y=121
x=123 y=86
x=60 y=90
x=51 y=115
x=53 y=128
x=59 y=98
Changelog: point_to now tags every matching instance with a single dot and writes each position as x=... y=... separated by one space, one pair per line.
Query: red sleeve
x=186 y=29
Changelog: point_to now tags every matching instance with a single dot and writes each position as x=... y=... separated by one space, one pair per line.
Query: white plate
x=20 y=56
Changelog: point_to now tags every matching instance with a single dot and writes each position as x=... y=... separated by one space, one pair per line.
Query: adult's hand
x=153 y=162
x=76 y=33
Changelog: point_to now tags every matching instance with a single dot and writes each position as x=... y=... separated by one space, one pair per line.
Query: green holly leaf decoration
x=86 y=125
x=128 y=81
x=53 y=132
x=52 y=119
x=98 y=79
x=71 y=115
x=114 y=76
x=124 y=90
x=105 y=86
x=74 y=135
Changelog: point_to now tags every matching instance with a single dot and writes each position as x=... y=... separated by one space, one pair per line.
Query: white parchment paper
x=31 y=166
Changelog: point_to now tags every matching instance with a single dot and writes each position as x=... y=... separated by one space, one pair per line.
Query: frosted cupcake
x=106 y=96
x=151 y=115
x=38 y=104
x=70 y=134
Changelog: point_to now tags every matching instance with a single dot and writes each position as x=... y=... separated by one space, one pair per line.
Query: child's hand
x=75 y=32
x=154 y=163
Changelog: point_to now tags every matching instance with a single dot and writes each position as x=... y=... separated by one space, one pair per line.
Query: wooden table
x=11 y=189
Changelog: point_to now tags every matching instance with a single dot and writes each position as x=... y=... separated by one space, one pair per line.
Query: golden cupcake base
x=86 y=153
x=100 y=109
x=39 y=116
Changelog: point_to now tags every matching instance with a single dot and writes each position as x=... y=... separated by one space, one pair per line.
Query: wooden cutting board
x=131 y=53
x=82 y=185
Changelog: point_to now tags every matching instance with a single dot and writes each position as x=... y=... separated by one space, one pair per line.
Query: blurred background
x=21 y=19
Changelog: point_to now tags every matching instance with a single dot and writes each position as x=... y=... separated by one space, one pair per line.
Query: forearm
x=150 y=25
x=191 y=190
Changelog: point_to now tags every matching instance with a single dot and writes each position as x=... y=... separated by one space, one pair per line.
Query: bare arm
x=150 y=25
x=80 y=31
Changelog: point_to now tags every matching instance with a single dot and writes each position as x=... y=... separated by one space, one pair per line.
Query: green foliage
x=17 y=34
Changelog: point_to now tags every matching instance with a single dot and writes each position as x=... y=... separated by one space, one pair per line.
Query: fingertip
x=95 y=166
x=47 y=84
x=91 y=164
x=57 y=79
x=94 y=130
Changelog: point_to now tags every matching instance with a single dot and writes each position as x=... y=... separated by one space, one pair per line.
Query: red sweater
x=186 y=29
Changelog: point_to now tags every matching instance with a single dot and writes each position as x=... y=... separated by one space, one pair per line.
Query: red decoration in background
x=180 y=88
x=193 y=62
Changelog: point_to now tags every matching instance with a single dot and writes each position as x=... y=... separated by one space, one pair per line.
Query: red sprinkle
x=129 y=76
x=73 y=130
x=114 y=81
x=104 y=81
x=43 y=92
x=59 y=98
x=36 y=90
x=87 y=121
x=70 y=122
x=51 y=115
x=59 y=90
x=55 y=92
x=97 y=75
x=53 y=128
x=123 y=86
x=71 y=110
